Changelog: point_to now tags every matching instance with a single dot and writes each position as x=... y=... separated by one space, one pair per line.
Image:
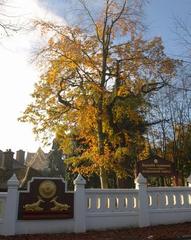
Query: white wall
x=44 y=226
x=96 y=209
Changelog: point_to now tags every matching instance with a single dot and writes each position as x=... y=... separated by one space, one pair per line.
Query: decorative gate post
x=11 y=206
x=79 y=204
x=189 y=180
x=141 y=185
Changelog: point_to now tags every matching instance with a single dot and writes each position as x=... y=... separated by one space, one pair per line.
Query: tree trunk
x=103 y=178
x=105 y=46
x=103 y=174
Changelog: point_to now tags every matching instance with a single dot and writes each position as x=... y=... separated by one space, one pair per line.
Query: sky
x=18 y=74
x=160 y=18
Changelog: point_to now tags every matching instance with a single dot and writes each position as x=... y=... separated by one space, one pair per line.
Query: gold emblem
x=35 y=206
x=59 y=207
x=47 y=189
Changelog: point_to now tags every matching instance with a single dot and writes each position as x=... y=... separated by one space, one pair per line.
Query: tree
x=170 y=139
x=183 y=34
x=56 y=162
x=7 y=26
x=95 y=85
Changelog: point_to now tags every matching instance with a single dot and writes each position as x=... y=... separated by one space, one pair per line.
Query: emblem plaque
x=46 y=199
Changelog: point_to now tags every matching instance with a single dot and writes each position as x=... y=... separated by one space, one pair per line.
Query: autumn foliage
x=93 y=94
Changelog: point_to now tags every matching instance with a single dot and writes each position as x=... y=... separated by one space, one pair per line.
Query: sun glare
x=18 y=76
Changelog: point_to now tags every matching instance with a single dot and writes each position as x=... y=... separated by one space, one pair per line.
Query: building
x=28 y=165
x=38 y=160
x=34 y=166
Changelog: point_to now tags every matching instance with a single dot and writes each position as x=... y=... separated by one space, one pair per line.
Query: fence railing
x=3 y=197
x=116 y=200
x=169 y=197
x=102 y=209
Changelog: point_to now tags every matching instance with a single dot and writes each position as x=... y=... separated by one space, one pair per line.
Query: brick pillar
x=20 y=156
x=8 y=160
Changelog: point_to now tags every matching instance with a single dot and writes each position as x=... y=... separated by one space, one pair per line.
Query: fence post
x=11 y=206
x=79 y=205
x=141 y=185
x=189 y=181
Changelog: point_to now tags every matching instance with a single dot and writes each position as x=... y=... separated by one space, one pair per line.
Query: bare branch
x=92 y=19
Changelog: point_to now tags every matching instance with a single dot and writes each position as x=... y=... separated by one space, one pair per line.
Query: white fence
x=96 y=209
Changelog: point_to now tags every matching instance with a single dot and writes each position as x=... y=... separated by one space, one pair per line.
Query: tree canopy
x=95 y=88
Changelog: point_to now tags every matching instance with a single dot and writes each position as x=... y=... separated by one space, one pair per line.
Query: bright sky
x=17 y=75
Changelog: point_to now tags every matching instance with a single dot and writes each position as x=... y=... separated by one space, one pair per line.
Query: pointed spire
x=13 y=181
x=189 y=179
x=79 y=180
x=140 y=179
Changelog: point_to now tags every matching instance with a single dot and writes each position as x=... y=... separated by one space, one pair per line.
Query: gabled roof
x=39 y=160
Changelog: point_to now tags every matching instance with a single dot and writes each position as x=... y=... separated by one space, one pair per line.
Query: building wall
x=20 y=156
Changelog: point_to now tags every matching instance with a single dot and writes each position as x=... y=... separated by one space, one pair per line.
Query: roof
x=17 y=165
x=38 y=160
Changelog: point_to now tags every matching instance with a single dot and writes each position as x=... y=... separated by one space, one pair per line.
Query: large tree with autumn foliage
x=95 y=86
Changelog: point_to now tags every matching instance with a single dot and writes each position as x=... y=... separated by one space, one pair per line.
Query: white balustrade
x=96 y=209
x=169 y=197
x=111 y=200
x=3 y=197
